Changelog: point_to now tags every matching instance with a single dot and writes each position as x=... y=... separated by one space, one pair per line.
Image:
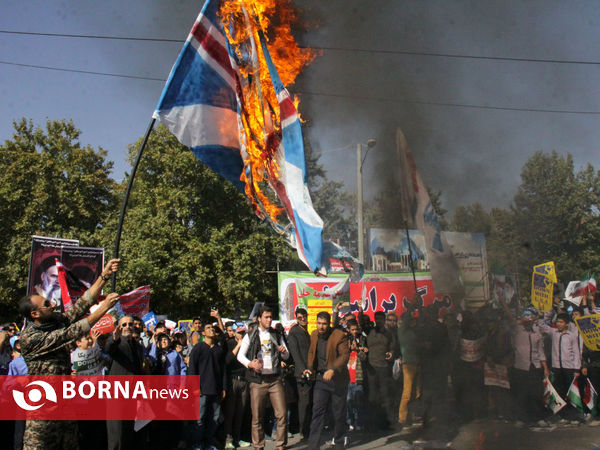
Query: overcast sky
x=475 y=85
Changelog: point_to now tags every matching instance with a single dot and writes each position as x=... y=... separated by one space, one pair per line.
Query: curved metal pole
x=126 y=198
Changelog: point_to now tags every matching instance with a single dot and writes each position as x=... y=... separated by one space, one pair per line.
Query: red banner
x=56 y=397
x=388 y=295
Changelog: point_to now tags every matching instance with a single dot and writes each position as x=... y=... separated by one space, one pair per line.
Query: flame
x=260 y=125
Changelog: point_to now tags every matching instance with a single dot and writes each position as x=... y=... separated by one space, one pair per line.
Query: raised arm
x=241 y=356
x=89 y=298
x=215 y=313
x=63 y=336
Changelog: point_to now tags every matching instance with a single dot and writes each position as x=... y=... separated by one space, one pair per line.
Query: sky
x=476 y=86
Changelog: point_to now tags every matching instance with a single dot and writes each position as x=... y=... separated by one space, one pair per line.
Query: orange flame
x=242 y=20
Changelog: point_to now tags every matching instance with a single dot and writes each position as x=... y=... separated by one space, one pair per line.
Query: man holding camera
x=261 y=353
x=328 y=359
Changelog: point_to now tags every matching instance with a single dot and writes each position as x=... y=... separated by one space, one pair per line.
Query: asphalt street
x=477 y=435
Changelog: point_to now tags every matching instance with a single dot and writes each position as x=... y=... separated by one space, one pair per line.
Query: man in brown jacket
x=328 y=360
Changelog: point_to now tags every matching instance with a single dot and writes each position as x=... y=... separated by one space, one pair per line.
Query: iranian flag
x=577 y=290
x=590 y=396
x=552 y=400
x=591 y=283
x=574 y=396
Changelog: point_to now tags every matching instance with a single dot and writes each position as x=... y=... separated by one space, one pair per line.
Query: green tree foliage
x=554 y=216
x=193 y=237
x=472 y=218
x=49 y=185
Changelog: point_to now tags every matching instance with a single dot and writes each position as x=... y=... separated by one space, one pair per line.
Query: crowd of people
x=426 y=370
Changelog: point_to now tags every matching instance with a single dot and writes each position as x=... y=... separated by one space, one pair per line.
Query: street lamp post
x=359 y=194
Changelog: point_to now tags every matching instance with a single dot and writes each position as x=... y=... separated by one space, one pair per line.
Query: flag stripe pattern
x=198 y=104
x=292 y=188
x=590 y=397
x=202 y=105
x=136 y=302
x=574 y=396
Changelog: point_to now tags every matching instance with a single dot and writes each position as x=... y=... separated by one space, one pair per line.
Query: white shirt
x=264 y=352
x=87 y=362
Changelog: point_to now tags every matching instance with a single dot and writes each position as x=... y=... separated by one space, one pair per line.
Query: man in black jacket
x=299 y=343
x=236 y=400
x=207 y=360
x=127 y=357
x=380 y=344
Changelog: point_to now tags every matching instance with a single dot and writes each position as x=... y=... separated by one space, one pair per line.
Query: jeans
x=210 y=410
x=325 y=393
x=356 y=402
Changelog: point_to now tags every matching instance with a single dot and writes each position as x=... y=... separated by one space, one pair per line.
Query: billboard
x=391 y=250
x=383 y=292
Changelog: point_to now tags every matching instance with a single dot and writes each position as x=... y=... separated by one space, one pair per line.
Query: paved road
x=478 y=435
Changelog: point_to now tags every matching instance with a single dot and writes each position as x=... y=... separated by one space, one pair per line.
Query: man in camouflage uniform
x=45 y=348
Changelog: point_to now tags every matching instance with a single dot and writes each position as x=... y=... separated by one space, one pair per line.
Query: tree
x=555 y=214
x=193 y=237
x=472 y=219
x=553 y=217
x=49 y=185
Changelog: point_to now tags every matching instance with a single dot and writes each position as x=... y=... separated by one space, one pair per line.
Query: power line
x=104 y=74
x=91 y=36
x=333 y=95
x=448 y=104
x=460 y=56
x=336 y=49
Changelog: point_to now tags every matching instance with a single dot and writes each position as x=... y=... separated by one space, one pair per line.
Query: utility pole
x=359 y=206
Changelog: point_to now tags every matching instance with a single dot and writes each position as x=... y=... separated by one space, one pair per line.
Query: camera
x=306 y=376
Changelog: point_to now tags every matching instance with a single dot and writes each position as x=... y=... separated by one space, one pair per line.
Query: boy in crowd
x=87 y=358
x=358 y=355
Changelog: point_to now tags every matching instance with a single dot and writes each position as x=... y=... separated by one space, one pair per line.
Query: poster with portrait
x=83 y=266
x=43 y=274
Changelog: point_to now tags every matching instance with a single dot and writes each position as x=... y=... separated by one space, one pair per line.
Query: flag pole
x=126 y=198
x=412 y=267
